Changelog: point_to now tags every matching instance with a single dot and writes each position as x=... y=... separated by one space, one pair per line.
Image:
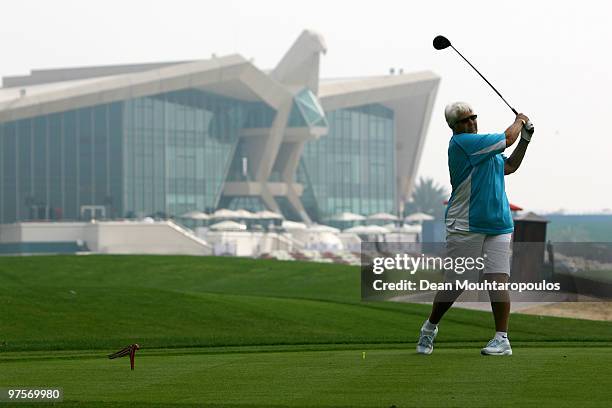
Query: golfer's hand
x=523 y=118
x=527 y=131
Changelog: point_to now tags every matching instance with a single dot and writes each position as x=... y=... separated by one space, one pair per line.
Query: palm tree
x=428 y=197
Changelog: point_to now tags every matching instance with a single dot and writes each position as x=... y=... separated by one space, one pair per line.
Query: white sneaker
x=426 y=340
x=497 y=347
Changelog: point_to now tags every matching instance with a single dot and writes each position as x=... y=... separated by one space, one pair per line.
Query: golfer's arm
x=513 y=132
x=516 y=158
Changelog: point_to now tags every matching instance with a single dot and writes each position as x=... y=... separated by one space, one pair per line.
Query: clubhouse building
x=163 y=139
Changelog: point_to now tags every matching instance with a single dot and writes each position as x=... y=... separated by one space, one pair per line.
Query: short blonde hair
x=454 y=110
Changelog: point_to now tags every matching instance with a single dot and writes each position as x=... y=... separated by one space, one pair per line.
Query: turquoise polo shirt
x=478 y=201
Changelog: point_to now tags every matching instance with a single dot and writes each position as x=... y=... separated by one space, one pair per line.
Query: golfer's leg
x=499 y=345
x=458 y=245
x=500 y=302
x=497 y=249
x=442 y=302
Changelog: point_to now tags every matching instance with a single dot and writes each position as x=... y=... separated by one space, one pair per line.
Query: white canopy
x=344 y=235
x=225 y=213
x=228 y=226
x=407 y=229
x=329 y=238
x=346 y=216
x=367 y=229
x=322 y=228
x=195 y=215
x=268 y=215
x=292 y=225
x=244 y=214
x=350 y=241
x=382 y=217
x=325 y=241
x=418 y=217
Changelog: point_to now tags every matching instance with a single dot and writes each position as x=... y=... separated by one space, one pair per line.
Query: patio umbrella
x=244 y=214
x=292 y=225
x=347 y=216
x=418 y=217
x=195 y=215
x=228 y=226
x=382 y=217
x=224 y=213
x=268 y=215
x=322 y=228
x=367 y=230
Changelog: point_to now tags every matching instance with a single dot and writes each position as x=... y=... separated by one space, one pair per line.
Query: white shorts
x=494 y=250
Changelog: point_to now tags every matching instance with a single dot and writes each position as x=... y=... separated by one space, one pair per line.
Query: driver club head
x=441 y=42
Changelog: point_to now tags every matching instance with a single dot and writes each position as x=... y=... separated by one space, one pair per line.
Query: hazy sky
x=550 y=60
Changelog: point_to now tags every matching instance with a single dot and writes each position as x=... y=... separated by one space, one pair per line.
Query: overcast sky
x=550 y=60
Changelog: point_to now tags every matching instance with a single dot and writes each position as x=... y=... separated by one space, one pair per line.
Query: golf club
x=441 y=42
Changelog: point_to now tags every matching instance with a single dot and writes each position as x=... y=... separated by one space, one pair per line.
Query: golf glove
x=527 y=131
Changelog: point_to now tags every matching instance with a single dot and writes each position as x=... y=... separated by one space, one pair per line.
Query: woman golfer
x=478 y=219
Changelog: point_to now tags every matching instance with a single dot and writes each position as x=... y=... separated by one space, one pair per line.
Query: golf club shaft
x=482 y=76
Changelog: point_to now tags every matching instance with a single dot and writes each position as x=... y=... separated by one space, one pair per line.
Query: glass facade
x=170 y=153
x=177 y=151
x=353 y=167
x=239 y=168
x=250 y=203
x=259 y=115
x=306 y=111
x=57 y=166
x=159 y=155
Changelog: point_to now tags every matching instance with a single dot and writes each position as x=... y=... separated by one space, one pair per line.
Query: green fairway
x=253 y=333
x=535 y=376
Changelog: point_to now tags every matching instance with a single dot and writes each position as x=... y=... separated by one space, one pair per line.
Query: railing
x=188 y=233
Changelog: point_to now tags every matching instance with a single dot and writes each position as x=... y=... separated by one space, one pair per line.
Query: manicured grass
x=248 y=333
x=102 y=302
x=533 y=377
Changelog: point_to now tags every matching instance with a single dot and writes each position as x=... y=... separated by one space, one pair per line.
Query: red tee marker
x=131 y=350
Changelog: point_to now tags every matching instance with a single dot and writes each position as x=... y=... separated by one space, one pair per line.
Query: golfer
x=478 y=219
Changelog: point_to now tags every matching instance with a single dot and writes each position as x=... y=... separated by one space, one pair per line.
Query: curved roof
x=231 y=76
